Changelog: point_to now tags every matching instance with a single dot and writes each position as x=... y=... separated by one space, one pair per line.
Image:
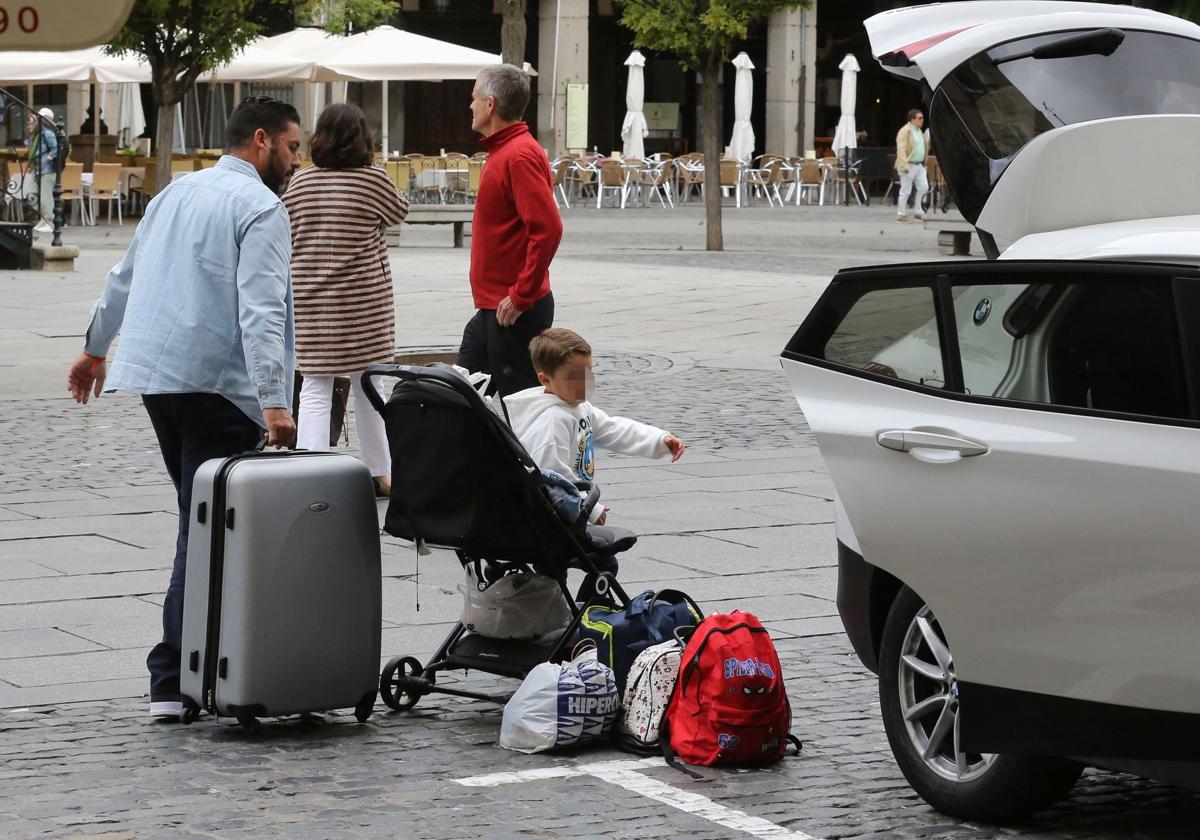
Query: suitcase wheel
x=365 y=706
x=400 y=683
x=248 y=722
x=191 y=712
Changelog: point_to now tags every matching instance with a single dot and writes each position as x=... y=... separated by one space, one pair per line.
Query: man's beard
x=278 y=173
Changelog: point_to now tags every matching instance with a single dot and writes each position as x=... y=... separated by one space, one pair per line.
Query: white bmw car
x=1015 y=443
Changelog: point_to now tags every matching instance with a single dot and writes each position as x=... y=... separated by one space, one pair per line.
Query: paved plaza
x=684 y=339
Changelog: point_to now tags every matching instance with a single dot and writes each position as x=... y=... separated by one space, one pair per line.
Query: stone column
x=791 y=80
x=570 y=18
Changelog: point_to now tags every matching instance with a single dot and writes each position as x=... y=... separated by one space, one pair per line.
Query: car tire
x=920 y=712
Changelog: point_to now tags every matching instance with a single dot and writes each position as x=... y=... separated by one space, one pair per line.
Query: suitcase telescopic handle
x=435 y=372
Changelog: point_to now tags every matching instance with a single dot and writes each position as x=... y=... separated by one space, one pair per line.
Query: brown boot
x=902 y=219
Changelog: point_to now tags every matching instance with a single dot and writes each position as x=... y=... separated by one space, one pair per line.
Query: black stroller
x=484 y=497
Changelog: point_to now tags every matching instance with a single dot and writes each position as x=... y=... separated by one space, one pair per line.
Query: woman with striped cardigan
x=341 y=280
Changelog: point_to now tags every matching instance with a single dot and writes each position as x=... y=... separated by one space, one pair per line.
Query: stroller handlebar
x=436 y=372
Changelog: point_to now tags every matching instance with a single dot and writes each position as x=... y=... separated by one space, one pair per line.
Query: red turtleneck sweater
x=516 y=228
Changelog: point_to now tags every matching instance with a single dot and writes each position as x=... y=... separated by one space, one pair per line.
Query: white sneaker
x=166 y=709
x=44 y=227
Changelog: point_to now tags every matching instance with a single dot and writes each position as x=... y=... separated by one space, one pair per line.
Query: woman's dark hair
x=255 y=112
x=343 y=139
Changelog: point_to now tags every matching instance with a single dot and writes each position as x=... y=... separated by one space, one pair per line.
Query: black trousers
x=191 y=429
x=503 y=352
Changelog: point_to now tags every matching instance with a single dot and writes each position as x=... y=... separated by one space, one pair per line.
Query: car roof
x=927 y=42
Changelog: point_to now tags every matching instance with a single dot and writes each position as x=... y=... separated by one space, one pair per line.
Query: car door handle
x=908 y=440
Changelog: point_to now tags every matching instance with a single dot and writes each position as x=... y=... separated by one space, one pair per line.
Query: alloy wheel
x=929 y=701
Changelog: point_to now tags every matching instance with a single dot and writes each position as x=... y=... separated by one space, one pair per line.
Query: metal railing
x=22 y=184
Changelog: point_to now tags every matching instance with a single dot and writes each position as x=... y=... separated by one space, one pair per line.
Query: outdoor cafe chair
x=765 y=179
x=105 y=186
x=657 y=181
x=466 y=185
x=807 y=179
x=560 y=167
x=613 y=177
x=843 y=178
x=72 y=190
x=582 y=176
x=731 y=179
x=689 y=175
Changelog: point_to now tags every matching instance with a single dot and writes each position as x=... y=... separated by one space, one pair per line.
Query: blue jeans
x=191 y=429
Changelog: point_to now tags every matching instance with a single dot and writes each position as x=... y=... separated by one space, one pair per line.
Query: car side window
x=1107 y=344
x=890 y=332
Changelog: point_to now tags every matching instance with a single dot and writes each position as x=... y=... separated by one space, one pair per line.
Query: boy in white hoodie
x=561 y=429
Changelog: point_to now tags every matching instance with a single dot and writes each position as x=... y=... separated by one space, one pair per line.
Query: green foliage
x=1187 y=9
x=346 y=16
x=181 y=39
x=695 y=31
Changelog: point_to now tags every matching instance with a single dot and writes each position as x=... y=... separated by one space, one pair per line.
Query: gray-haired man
x=514 y=235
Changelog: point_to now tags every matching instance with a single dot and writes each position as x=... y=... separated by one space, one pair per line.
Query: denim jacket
x=43 y=151
x=203 y=296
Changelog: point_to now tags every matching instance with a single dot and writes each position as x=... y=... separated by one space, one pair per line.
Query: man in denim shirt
x=203 y=300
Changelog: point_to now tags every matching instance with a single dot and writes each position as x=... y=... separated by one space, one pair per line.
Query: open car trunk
x=1053 y=115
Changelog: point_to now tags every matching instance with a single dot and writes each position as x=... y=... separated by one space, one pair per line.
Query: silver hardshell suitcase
x=282 y=602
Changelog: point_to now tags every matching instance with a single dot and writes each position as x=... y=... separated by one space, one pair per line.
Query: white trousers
x=316 y=405
x=915 y=176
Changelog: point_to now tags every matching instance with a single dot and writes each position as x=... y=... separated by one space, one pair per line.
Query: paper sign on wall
x=577 y=116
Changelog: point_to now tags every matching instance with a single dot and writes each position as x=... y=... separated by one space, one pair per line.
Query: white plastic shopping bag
x=561 y=705
x=518 y=606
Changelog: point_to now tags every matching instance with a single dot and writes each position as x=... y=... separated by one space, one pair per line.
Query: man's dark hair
x=343 y=139
x=914 y=113
x=255 y=112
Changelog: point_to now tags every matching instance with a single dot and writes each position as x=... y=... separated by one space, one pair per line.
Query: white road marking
x=624 y=773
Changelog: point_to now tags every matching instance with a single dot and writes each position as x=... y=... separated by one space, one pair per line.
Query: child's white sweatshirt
x=563 y=438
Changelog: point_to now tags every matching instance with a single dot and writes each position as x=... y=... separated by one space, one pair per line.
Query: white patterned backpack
x=647 y=691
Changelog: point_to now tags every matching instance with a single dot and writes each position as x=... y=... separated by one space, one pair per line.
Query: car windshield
x=1006 y=105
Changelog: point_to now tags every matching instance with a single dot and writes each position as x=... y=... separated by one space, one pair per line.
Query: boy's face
x=571 y=383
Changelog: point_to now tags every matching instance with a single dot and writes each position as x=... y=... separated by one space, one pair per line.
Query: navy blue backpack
x=649 y=619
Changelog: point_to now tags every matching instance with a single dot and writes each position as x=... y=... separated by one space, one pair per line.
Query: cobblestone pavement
x=685 y=340
x=82 y=769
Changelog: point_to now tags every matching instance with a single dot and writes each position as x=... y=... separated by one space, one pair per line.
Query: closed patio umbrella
x=846 y=135
x=741 y=145
x=131 y=119
x=634 y=130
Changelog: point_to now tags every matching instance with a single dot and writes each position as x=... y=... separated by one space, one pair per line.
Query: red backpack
x=729 y=705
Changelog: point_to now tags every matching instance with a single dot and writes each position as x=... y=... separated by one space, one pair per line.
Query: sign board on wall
x=577 y=116
x=662 y=116
x=60 y=24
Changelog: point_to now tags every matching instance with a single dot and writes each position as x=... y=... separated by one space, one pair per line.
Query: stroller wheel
x=396 y=683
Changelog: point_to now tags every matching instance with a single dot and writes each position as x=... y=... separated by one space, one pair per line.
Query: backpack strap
x=664 y=741
x=795 y=742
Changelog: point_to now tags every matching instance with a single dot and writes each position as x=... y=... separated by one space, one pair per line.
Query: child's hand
x=675 y=446
x=603 y=517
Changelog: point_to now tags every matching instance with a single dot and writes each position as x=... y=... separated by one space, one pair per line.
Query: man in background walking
x=205 y=296
x=912 y=146
x=514 y=235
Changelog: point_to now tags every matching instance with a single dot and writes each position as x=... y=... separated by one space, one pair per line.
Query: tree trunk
x=512 y=33
x=164 y=140
x=710 y=105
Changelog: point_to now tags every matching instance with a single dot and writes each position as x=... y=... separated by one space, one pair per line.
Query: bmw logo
x=982 y=310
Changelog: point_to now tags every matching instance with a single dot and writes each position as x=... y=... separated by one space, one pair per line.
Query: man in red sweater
x=514 y=234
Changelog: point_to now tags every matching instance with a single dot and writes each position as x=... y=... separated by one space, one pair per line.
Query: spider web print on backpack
x=730 y=706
